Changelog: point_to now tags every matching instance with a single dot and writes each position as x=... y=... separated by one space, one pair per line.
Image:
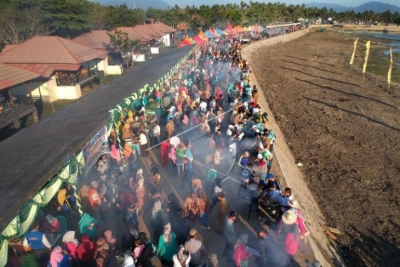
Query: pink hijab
x=172 y=154
x=56 y=256
x=115 y=153
x=185 y=119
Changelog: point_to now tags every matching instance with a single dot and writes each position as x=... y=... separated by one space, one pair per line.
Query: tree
x=67 y=18
x=97 y=17
x=21 y=25
x=121 y=43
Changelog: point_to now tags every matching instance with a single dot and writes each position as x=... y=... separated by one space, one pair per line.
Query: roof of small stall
x=30 y=158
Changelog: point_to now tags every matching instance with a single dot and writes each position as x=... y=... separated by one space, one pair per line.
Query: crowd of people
x=212 y=96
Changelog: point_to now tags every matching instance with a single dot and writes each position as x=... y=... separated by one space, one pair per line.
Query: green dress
x=167 y=250
x=85 y=223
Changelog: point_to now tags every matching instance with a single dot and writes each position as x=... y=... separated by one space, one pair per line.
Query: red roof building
x=46 y=54
x=98 y=39
x=12 y=76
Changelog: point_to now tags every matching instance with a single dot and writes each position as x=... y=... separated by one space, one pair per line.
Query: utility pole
x=134 y=4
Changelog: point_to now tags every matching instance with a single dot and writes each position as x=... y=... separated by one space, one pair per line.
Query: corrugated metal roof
x=50 y=50
x=12 y=76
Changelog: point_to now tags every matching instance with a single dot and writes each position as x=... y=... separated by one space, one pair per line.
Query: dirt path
x=346 y=133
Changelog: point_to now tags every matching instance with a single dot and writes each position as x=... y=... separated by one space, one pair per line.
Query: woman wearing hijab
x=204 y=204
x=173 y=209
x=52 y=224
x=88 y=226
x=111 y=245
x=58 y=258
x=185 y=123
x=240 y=255
x=111 y=241
x=143 y=142
x=167 y=246
x=85 y=251
x=156 y=220
x=70 y=244
x=137 y=251
x=140 y=194
x=128 y=262
x=101 y=253
x=182 y=258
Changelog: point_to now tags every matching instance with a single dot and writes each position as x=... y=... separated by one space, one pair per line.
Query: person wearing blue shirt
x=37 y=241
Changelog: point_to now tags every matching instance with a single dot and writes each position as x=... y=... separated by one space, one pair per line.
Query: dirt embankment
x=345 y=131
x=292 y=175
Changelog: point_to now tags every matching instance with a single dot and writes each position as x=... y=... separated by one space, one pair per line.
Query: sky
x=347 y=3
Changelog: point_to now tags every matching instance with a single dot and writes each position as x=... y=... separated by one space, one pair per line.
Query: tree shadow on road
x=353 y=113
x=371 y=249
x=324 y=78
x=308 y=66
x=346 y=93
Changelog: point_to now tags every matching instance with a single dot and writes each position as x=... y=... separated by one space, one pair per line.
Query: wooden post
x=17 y=125
x=35 y=115
x=11 y=97
x=29 y=89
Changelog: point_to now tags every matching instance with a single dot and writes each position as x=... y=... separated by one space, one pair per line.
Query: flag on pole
x=390 y=66
x=354 y=52
x=368 y=44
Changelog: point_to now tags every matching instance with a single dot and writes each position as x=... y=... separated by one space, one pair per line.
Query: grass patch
x=109 y=78
x=58 y=105
x=380 y=66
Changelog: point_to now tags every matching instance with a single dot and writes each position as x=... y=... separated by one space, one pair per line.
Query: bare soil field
x=345 y=130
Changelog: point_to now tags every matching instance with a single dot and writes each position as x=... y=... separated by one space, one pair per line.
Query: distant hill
x=143 y=4
x=337 y=8
x=377 y=7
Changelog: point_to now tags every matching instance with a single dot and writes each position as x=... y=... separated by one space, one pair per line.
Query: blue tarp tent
x=209 y=34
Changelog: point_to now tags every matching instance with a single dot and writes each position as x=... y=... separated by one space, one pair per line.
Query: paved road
x=213 y=241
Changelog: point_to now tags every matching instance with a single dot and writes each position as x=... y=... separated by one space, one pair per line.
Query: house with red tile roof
x=62 y=66
x=100 y=39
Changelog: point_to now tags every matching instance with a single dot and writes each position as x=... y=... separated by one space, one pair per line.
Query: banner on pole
x=354 y=52
x=368 y=44
x=390 y=66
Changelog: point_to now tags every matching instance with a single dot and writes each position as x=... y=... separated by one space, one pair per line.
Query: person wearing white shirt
x=156 y=133
x=232 y=148
x=175 y=141
x=203 y=107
